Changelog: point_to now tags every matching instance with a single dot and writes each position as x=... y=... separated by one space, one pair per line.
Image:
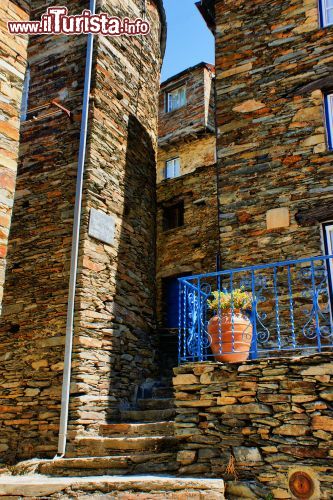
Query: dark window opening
x=173 y=216
x=14 y=328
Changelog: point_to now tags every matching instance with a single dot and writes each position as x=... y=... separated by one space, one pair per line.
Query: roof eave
x=206 y=9
x=181 y=74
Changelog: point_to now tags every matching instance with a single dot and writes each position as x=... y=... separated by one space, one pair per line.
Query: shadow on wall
x=135 y=338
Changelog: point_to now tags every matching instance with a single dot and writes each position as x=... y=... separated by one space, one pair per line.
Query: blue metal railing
x=261 y=311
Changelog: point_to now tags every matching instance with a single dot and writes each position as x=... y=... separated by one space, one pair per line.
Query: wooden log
x=324 y=84
x=313 y=215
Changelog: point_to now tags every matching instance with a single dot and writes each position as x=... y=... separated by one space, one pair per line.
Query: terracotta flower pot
x=226 y=340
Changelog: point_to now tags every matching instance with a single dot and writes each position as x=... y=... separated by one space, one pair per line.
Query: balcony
x=270 y=310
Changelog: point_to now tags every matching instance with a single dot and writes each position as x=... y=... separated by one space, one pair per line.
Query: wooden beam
x=317 y=214
x=325 y=84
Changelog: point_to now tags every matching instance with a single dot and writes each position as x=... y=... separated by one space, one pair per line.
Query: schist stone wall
x=186 y=133
x=116 y=342
x=114 y=310
x=192 y=155
x=264 y=419
x=198 y=114
x=192 y=248
x=13 y=58
x=272 y=149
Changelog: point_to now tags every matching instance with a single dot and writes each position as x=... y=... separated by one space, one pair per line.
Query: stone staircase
x=130 y=460
x=142 y=443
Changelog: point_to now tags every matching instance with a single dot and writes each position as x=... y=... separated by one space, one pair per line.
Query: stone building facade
x=273 y=71
x=114 y=340
x=13 y=59
x=187 y=226
x=265 y=425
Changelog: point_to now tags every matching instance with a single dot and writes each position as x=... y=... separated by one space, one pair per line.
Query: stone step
x=162 y=393
x=147 y=415
x=145 y=429
x=135 y=487
x=103 y=446
x=155 y=404
x=162 y=463
x=161 y=389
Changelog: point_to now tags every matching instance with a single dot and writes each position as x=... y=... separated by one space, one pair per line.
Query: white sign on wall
x=101 y=226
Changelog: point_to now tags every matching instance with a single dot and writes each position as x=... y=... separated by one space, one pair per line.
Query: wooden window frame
x=178 y=217
x=170 y=93
x=323 y=11
x=166 y=168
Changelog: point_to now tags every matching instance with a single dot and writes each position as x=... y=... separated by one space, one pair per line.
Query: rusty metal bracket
x=48 y=105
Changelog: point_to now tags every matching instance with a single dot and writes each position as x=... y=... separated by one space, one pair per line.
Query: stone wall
x=267 y=418
x=114 y=309
x=193 y=154
x=36 y=290
x=13 y=55
x=115 y=344
x=191 y=248
x=198 y=114
x=187 y=133
x=272 y=148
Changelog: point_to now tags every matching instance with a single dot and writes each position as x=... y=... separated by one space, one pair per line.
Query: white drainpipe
x=75 y=246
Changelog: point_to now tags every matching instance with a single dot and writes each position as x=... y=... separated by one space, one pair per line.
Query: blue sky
x=189 y=39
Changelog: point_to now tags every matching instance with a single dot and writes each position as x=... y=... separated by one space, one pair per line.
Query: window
x=173 y=216
x=172 y=168
x=328 y=237
x=326 y=12
x=175 y=99
x=329 y=120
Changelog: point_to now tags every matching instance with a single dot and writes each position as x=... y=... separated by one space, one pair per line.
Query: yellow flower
x=238 y=299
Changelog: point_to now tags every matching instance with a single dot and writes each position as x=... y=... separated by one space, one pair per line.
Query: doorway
x=170 y=322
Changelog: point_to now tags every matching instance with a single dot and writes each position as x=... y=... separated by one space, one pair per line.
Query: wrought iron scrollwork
x=198 y=336
x=291 y=307
x=319 y=318
x=260 y=284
